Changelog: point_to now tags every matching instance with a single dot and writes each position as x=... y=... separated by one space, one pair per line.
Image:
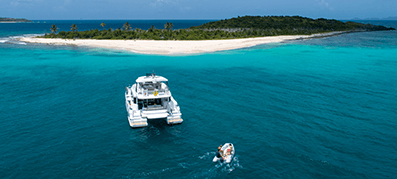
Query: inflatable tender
x=226 y=155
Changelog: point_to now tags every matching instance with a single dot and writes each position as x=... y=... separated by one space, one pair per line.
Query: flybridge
x=152 y=86
x=151 y=77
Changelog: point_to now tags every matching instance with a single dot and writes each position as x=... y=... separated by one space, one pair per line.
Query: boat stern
x=137 y=122
x=174 y=119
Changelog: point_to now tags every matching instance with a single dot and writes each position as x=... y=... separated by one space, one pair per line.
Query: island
x=13 y=20
x=234 y=33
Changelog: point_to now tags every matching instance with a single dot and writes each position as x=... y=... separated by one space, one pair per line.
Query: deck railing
x=150 y=92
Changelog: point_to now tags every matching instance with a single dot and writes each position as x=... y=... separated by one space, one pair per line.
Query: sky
x=194 y=9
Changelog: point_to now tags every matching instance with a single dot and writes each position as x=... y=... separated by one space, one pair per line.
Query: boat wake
x=220 y=167
x=207 y=155
x=229 y=167
x=151 y=173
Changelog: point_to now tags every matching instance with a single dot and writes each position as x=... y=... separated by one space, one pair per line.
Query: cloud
x=162 y=2
x=63 y=7
x=22 y=2
x=158 y=3
x=325 y=4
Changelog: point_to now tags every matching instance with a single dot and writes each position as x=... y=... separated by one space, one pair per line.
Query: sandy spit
x=170 y=47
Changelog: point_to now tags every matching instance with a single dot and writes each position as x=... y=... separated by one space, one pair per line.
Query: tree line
x=240 y=27
x=8 y=19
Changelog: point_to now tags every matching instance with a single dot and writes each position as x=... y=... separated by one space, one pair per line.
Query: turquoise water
x=319 y=108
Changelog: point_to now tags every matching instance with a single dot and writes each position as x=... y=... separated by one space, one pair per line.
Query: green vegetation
x=127 y=26
x=292 y=24
x=152 y=28
x=54 y=29
x=240 y=27
x=103 y=25
x=74 y=28
x=7 y=19
x=168 y=26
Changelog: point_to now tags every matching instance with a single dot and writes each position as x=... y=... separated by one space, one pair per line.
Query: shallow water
x=318 y=108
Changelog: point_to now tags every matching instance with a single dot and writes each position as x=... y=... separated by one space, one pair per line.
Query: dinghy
x=227 y=154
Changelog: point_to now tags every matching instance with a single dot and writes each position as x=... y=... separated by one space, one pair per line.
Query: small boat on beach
x=150 y=98
x=226 y=153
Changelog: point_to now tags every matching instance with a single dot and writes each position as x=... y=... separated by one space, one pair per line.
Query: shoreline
x=174 y=47
x=11 y=22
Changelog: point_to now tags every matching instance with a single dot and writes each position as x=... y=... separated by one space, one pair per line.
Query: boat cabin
x=153 y=92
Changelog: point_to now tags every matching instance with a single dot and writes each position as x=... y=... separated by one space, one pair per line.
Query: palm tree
x=54 y=28
x=103 y=25
x=151 y=28
x=74 y=28
x=168 y=26
x=127 y=26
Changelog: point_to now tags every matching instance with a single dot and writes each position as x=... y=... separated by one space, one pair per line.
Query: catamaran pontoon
x=150 y=98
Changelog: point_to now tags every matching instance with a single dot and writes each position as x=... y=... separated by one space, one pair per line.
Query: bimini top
x=150 y=77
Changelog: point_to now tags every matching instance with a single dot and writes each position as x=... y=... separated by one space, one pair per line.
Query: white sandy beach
x=174 y=46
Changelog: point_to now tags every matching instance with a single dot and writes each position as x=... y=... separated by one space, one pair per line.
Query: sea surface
x=317 y=108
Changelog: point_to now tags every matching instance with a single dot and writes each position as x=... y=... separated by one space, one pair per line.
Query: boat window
x=166 y=83
x=152 y=102
x=134 y=100
x=148 y=85
x=158 y=85
x=157 y=101
x=140 y=104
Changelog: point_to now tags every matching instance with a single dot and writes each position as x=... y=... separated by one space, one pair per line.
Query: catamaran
x=150 y=98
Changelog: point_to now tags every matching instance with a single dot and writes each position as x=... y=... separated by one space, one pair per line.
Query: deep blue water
x=318 y=108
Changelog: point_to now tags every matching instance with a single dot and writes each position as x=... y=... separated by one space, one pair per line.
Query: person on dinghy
x=219 y=152
x=219 y=155
x=228 y=151
x=225 y=153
